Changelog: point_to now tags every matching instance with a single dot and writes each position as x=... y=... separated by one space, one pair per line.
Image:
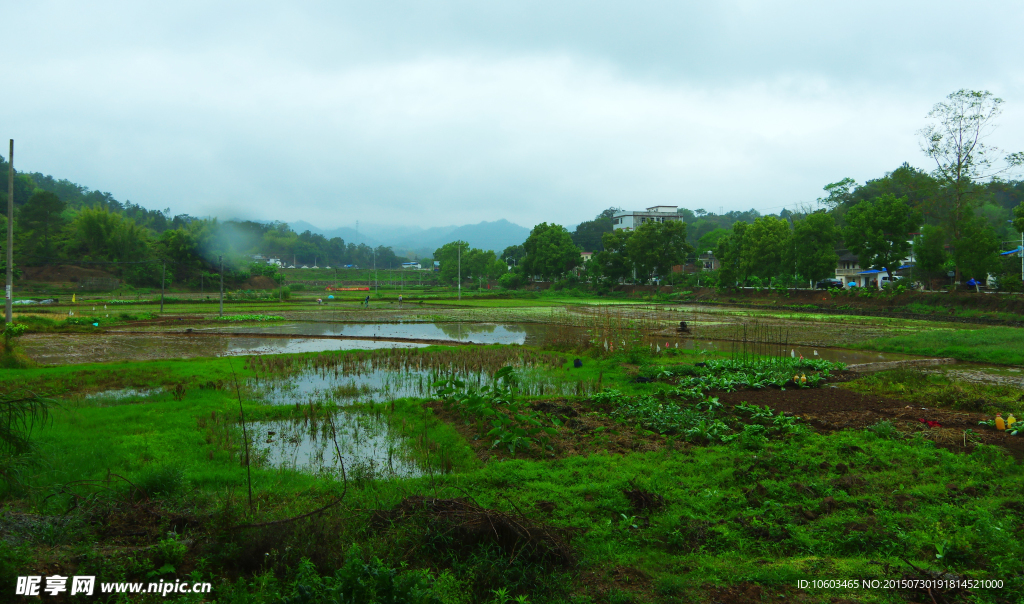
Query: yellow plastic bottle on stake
x=72 y=298
x=1000 y=424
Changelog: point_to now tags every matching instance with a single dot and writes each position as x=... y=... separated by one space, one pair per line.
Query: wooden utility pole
x=163 y=279
x=9 y=291
x=222 y=286
x=460 y=271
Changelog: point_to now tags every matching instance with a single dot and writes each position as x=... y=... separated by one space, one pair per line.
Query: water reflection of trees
x=460 y=330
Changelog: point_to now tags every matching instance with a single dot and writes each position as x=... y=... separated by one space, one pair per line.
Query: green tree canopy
x=587 y=235
x=709 y=240
x=655 y=247
x=977 y=253
x=766 y=242
x=954 y=140
x=838 y=194
x=878 y=232
x=513 y=254
x=732 y=254
x=930 y=255
x=550 y=252
x=613 y=262
x=449 y=256
x=1018 y=218
x=814 y=246
x=42 y=214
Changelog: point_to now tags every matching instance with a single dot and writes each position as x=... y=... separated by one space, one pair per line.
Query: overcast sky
x=434 y=113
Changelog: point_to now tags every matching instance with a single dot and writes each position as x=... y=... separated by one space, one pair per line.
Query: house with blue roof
x=849 y=271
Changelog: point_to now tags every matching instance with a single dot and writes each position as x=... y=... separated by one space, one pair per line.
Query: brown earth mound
x=260 y=282
x=63 y=273
x=831 y=408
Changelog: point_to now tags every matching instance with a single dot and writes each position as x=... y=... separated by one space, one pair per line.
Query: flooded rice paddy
x=64 y=348
x=476 y=333
x=320 y=387
x=389 y=375
x=69 y=349
x=364 y=444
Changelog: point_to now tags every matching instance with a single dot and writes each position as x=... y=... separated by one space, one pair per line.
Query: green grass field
x=1002 y=345
x=638 y=499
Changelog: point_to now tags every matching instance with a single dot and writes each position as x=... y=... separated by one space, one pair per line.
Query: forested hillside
x=61 y=222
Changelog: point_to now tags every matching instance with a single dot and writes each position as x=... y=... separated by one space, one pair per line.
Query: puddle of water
x=479 y=333
x=51 y=349
x=61 y=349
x=256 y=345
x=122 y=394
x=533 y=334
x=381 y=385
x=366 y=444
x=326 y=387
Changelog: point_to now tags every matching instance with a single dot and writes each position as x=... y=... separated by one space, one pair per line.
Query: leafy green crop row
x=513 y=423
x=703 y=422
x=728 y=375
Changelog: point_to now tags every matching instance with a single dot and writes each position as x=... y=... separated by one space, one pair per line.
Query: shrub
x=165 y=480
x=885 y=430
x=753 y=437
x=510 y=280
x=11 y=357
x=19 y=414
x=359 y=582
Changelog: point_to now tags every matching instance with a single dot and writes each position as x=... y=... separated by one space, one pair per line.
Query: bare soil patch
x=585 y=431
x=63 y=273
x=831 y=408
x=261 y=282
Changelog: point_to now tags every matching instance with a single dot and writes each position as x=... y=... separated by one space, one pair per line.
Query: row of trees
x=473 y=263
x=59 y=222
x=551 y=253
x=958 y=216
x=955 y=218
x=772 y=248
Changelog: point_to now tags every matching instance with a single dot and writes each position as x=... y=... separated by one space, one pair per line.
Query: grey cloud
x=456 y=112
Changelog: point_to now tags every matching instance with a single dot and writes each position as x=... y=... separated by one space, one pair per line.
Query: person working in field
x=367 y=302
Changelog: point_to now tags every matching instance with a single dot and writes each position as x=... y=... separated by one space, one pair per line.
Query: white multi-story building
x=632 y=220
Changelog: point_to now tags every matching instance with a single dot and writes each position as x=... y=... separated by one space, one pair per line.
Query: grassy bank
x=1002 y=345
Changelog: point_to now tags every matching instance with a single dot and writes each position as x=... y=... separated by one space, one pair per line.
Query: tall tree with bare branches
x=955 y=142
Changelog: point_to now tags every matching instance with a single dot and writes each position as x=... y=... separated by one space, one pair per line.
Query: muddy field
x=835 y=408
x=589 y=429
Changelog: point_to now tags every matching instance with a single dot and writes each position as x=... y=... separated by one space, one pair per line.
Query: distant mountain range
x=496 y=235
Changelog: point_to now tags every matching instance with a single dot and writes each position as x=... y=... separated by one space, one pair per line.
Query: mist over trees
x=955 y=218
x=60 y=222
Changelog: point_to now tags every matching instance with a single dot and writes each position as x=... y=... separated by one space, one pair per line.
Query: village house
x=631 y=220
x=849 y=271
